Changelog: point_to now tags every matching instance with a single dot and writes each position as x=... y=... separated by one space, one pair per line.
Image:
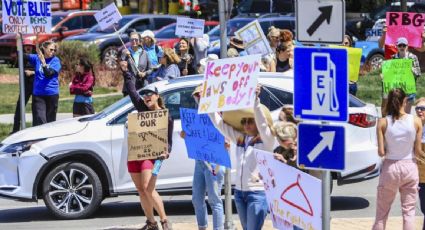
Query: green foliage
x=6 y=69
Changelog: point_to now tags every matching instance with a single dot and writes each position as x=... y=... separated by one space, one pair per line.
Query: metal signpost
x=321 y=91
x=21 y=80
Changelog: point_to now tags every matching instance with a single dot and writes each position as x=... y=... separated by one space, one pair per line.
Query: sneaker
x=150 y=226
x=166 y=225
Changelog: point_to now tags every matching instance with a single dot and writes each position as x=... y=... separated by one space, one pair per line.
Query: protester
x=141 y=171
x=185 y=53
x=169 y=69
x=286 y=135
x=237 y=44
x=46 y=83
x=420 y=160
x=207 y=178
x=352 y=85
x=28 y=85
x=287 y=114
x=273 y=36
x=399 y=141
x=248 y=130
x=82 y=87
x=149 y=45
x=200 y=48
x=203 y=62
x=287 y=38
x=348 y=41
x=232 y=52
x=283 y=54
x=138 y=61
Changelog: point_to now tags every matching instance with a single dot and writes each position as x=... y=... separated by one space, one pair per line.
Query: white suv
x=74 y=164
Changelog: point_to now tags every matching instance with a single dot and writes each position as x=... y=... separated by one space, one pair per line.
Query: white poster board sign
x=293 y=197
x=189 y=27
x=26 y=17
x=229 y=84
x=254 y=40
x=108 y=16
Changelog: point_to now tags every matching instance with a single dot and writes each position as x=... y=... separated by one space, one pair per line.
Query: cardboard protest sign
x=354 y=59
x=108 y=16
x=254 y=40
x=26 y=17
x=229 y=84
x=203 y=141
x=403 y=24
x=147 y=134
x=293 y=197
x=398 y=74
x=189 y=27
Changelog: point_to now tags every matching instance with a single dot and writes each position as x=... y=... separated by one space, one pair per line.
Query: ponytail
x=395 y=102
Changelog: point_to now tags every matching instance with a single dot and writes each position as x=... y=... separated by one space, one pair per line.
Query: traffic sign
x=321 y=147
x=321 y=84
x=320 y=21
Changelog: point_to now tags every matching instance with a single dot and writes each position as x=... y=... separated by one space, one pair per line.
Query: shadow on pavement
x=341 y=203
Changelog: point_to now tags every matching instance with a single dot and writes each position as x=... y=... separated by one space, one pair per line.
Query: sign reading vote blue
x=321 y=147
x=321 y=84
x=203 y=141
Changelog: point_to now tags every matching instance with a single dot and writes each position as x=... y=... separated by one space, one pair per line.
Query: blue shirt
x=136 y=54
x=44 y=86
x=153 y=57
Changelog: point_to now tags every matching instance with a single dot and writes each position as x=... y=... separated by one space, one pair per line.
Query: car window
x=284 y=24
x=140 y=25
x=179 y=98
x=73 y=23
x=161 y=22
x=89 y=21
x=274 y=98
x=169 y=32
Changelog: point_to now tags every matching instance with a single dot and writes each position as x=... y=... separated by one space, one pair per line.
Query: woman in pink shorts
x=399 y=141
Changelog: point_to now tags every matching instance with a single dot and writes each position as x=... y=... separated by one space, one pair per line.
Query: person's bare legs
x=156 y=199
x=141 y=180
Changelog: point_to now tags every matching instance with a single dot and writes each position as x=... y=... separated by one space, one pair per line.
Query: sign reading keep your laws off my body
x=147 y=134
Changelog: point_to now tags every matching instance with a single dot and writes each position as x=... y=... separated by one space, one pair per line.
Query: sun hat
x=149 y=88
x=402 y=40
x=148 y=33
x=236 y=42
x=233 y=118
x=198 y=89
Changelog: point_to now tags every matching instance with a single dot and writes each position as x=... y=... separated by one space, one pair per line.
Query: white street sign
x=320 y=21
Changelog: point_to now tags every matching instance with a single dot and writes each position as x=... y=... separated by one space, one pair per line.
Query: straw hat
x=233 y=118
x=236 y=42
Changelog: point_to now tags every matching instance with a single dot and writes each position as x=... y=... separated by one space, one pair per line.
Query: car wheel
x=110 y=57
x=72 y=191
x=375 y=61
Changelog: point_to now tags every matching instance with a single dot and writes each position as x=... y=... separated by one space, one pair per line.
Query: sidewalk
x=8 y=118
x=393 y=223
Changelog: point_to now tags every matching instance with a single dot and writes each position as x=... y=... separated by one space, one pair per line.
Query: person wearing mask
x=141 y=171
x=185 y=53
x=82 y=87
x=138 y=61
x=399 y=138
x=169 y=69
x=28 y=84
x=420 y=160
x=283 y=54
x=46 y=83
x=248 y=129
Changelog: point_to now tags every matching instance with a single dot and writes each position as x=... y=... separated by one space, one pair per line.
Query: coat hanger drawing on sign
x=294 y=186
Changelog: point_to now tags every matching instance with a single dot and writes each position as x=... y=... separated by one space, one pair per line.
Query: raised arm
x=228 y=131
x=261 y=122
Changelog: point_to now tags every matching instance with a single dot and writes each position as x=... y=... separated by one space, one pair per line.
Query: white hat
x=402 y=40
x=210 y=57
x=148 y=33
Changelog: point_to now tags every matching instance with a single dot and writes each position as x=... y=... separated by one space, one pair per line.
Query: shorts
x=82 y=108
x=139 y=166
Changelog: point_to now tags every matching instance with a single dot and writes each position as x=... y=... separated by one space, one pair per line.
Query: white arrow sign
x=327 y=141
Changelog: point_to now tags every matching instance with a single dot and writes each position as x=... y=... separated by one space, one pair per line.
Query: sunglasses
x=148 y=94
x=401 y=45
x=247 y=121
x=134 y=39
x=52 y=50
x=420 y=108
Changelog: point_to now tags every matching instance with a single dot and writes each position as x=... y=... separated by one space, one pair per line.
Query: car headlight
x=19 y=148
x=98 y=41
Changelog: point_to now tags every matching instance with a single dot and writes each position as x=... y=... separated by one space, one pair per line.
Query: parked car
x=64 y=24
x=372 y=55
x=109 y=41
x=74 y=164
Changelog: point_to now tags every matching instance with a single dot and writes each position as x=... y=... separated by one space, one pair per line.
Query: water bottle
x=156 y=167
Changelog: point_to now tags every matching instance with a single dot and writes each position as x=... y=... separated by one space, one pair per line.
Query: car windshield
x=108 y=110
x=232 y=27
x=56 y=19
x=121 y=23
x=167 y=32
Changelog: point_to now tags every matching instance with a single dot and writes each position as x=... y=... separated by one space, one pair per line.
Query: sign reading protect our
x=147 y=134
x=229 y=84
x=26 y=17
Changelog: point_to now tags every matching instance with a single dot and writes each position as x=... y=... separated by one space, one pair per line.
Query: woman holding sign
x=249 y=129
x=142 y=171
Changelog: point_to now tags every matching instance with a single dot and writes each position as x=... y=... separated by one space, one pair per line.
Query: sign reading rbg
x=26 y=17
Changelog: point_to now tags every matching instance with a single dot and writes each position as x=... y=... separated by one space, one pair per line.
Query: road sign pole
x=21 y=80
x=326 y=200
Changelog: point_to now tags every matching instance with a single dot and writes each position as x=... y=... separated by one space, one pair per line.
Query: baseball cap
x=149 y=88
x=402 y=40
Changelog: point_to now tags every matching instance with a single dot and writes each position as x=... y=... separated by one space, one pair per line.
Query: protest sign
x=229 y=84
x=26 y=17
x=354 y=58
x=254 y=40
x=403 y=24
x=189 y=27
x=203 y=141
x=398 y=74
x=147 y=134
x=108 y=16
x=293 y=197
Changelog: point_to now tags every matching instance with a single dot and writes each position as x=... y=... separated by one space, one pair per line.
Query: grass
x=6 y=69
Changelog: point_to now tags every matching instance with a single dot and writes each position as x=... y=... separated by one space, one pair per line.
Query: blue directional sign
x=321 y=84
x=321 y=147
